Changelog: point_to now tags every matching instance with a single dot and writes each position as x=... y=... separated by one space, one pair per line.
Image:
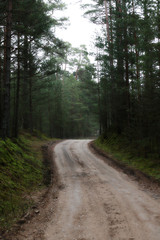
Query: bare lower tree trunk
x=127 y=84
x=30 y=103
x=25 y=86
x=137 y=58
x=158 y=12
x=99 y=98
x=7 y=72
x=18 y=89
x=126 y=60
x=1 y=99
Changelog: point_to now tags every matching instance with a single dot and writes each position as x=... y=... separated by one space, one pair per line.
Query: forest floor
x=92 y=199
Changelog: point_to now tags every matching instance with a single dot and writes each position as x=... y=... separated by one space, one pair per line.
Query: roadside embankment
x=145 y=170
x=24 y=176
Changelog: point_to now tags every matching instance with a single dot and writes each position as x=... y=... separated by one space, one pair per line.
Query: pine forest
x=50 y=89
x=120 y=92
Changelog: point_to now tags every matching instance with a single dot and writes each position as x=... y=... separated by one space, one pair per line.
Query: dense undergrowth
x=21 y=172
x=119 y=148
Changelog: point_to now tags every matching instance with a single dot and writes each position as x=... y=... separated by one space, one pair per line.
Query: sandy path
x=96 y=202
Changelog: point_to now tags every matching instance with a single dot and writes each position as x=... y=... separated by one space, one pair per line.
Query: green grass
x=21 y=172
x=121 y=150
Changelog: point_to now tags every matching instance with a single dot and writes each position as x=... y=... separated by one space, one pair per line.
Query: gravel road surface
x=97 y=202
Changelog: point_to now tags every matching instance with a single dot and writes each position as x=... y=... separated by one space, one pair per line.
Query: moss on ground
x=121 y=150
x=21 y=172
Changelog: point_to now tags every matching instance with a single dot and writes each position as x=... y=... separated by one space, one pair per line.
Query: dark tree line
x=129 y=56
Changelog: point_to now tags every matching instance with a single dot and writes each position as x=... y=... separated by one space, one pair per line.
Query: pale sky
x=81 y=30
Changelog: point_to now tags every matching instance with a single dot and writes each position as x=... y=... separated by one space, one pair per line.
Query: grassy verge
x=21 y=172
x=119 y=149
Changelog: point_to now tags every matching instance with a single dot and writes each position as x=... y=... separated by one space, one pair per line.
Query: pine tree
x=6 y=71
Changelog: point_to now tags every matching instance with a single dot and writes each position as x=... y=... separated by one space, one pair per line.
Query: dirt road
x=96 y=202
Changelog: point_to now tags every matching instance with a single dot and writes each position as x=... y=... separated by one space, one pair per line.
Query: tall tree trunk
x=30 y=102
x=7 y=72
x=107 y=103
x=112 y=77
x=18 y=89
x=31 y=74
x=25 y=85
x=50 y=116
x=158 y=16
x=99 y=99
x=137 y=57
x=126 y=66
x=1 y=99
x=120 y=97
x=127 y=84
x=107 y=21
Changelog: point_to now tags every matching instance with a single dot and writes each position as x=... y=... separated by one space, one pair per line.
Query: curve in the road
x=97 y=202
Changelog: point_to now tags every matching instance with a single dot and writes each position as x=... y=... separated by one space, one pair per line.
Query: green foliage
x=21 y=172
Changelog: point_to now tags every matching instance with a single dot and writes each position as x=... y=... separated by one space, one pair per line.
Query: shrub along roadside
x=124 y=152
x=21 y=173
